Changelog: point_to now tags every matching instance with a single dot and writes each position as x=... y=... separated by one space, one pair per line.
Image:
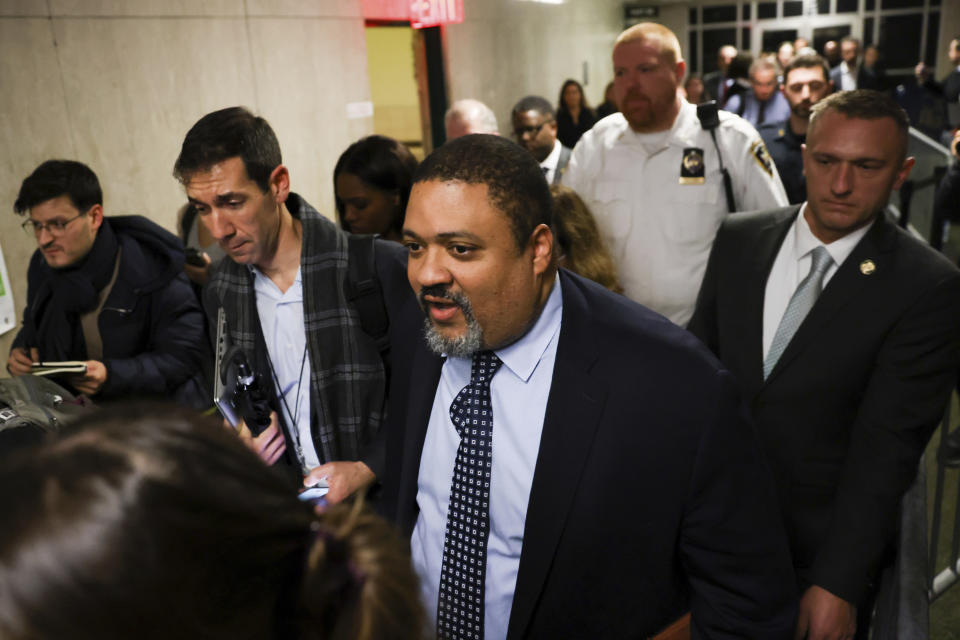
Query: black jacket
x=151 y=324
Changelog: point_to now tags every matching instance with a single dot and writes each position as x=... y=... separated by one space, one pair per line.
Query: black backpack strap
x=710 y=120
x=364 y=292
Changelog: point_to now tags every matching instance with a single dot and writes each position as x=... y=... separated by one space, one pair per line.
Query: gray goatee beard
x=462 y=346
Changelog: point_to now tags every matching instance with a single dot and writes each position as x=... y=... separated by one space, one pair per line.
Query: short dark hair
x=380 y=162
x=863 y=104
x=172 y=513
x=230 y=133
x=807 y=61
x=535 y=103
x=514 y=180
x=55 y=178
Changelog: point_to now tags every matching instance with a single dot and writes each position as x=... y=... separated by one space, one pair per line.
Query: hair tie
x=336 y=548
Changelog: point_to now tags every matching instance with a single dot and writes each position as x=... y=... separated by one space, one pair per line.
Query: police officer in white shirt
x=653 y=178
x=535 y=129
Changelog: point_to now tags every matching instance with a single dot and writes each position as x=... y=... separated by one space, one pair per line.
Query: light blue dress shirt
x=519 y=393
x=281 y=319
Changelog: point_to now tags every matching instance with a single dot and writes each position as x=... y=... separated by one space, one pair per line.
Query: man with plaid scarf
x=285 y=295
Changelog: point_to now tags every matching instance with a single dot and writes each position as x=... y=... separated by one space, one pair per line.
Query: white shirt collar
x=523 y=356
x=677 y=133
x=805 y=241
x=550 y=162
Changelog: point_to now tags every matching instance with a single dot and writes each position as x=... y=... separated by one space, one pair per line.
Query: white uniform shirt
x=659 y=232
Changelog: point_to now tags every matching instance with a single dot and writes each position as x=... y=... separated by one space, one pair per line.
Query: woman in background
x=574 y=117
x=154 y=523
x=609 y=104
x=581 y=248
x=372 y=183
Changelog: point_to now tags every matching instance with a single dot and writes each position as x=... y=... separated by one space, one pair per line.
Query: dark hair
x=535 y=103
x=580 y=246
x=152 y=522
x=230 y=133
x=55 y=178
x=740 y=66
x=380 y=162
x=514 y=179
x=863 y=104
x=561 y=105
x=807 y=61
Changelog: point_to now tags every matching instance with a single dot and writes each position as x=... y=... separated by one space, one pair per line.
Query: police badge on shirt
x=691 y=167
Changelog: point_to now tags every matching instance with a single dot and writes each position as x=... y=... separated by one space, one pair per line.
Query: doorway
x=406 y=70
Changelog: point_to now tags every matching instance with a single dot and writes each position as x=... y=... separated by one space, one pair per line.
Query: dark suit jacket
x=562 y=163
x=865 y=79
x=850 y=405
x=648 y=498
x=713 y=86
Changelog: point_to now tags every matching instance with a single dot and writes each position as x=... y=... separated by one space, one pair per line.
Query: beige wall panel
x=134 y=87
x=142 y=8
x=30 y=8
x=311 y=8
x=304 y=89
x=506 y=49
x=33 y=128
x=949 y=28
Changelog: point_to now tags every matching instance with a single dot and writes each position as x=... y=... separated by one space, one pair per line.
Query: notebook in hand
x=57 y=368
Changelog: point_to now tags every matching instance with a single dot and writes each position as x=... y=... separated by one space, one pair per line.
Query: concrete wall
x=117 y=83
x=507 y=49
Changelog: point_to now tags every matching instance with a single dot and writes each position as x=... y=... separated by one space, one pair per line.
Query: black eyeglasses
x=532 y=131
x=54 y=227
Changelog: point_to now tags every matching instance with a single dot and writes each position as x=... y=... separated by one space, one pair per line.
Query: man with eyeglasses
x=806 y=81
x=535 y=129
x=106 y=291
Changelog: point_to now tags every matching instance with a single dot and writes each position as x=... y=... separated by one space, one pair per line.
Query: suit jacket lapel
x=770 y=237
x=424 y=377
x=841 y=290
x=573 y=413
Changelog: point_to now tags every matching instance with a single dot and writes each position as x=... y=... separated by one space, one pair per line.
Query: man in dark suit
x=845 y=386
x=621 y=485
x=535 y=128
x=717 y=83
x=850 y=73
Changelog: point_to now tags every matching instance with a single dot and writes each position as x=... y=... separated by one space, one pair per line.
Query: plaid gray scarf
x=347 y=379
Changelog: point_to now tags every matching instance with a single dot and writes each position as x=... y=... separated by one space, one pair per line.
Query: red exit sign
x=420 y=13
x=430 y=13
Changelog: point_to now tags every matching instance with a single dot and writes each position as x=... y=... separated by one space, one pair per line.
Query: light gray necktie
x=800 y=304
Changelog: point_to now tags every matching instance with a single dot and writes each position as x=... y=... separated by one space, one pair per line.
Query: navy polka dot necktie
x=460 y=602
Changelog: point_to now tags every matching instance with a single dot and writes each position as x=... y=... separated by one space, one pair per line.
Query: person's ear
x=95 y=213
x=904 y=172
x=279 y=183
x=542 y=242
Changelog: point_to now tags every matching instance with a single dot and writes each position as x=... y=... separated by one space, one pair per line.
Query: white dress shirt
x=518 y=394
x=848 y=77
x=551 y=161
x=281 y=319
x=792 y=265
x=659 y=231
